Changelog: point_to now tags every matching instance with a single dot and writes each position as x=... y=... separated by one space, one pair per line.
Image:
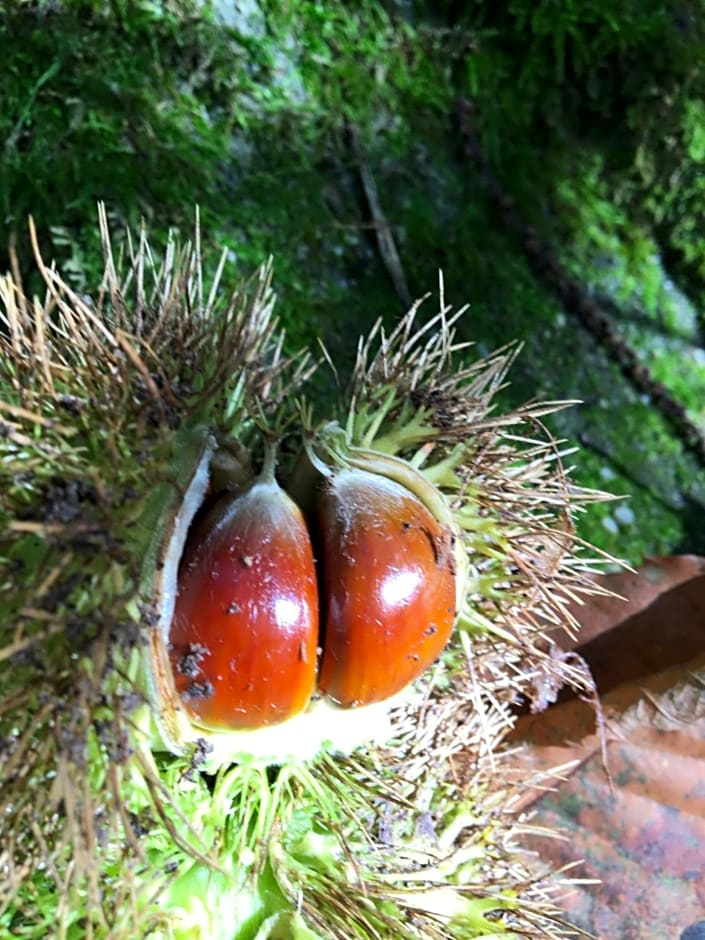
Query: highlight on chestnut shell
x=389 y=577
x=244 y=635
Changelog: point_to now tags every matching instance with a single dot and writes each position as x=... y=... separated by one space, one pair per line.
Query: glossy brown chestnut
x=389 y=590
x=243 y=638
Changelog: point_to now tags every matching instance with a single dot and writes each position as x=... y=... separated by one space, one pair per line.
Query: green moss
x=590 y=116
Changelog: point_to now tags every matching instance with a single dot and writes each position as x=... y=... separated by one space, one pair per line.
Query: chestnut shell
x=167 y=721
x=389 y=576
x=243 y=640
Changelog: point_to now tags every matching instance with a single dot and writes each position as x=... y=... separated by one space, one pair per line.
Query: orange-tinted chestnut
x=389 y=587
x=244 y=634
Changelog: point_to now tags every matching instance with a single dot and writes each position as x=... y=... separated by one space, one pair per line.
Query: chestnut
x=389 y=587
x=242 y=642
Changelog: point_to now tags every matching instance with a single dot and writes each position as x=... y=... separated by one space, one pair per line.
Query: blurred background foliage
x=274 y=116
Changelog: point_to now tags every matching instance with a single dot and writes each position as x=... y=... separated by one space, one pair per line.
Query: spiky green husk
x=105 y=406
x=503 y=478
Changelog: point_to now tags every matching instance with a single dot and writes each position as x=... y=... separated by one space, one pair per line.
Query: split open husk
x=116 y=412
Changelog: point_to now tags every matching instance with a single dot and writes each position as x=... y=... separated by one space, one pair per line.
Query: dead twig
x=546 y=266
x=383 y=230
